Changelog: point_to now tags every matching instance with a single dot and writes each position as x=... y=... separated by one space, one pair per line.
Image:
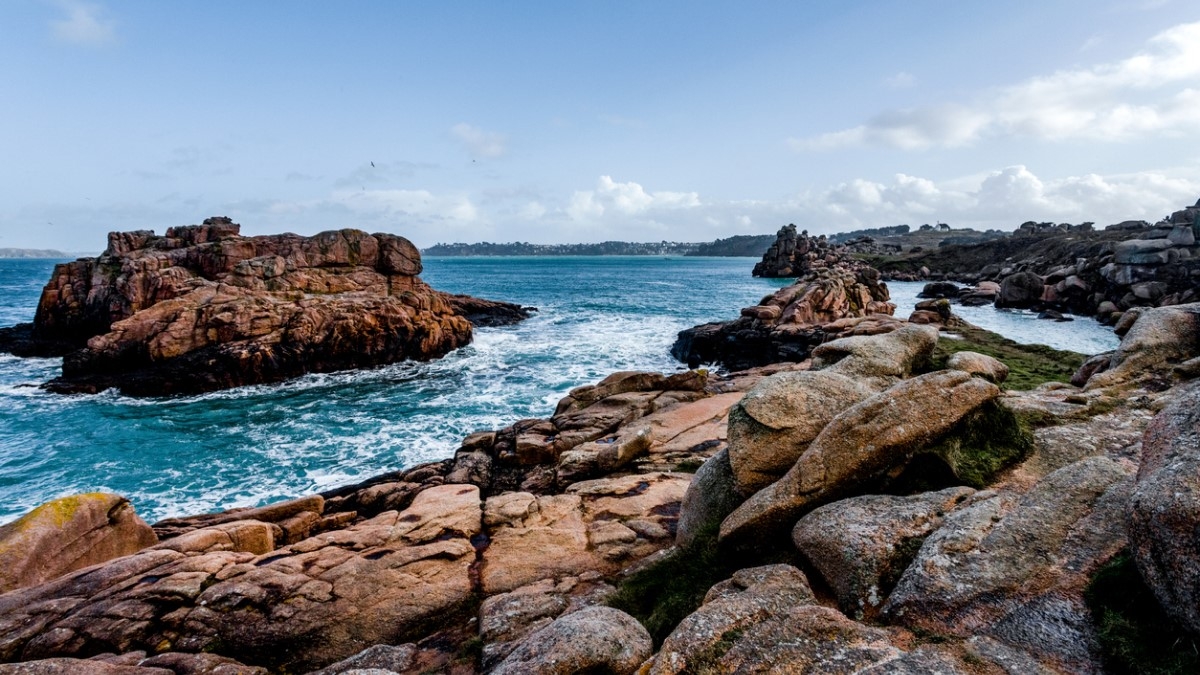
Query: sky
x=557 y=122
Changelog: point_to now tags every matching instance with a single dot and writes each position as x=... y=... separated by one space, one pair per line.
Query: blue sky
x=559 y=122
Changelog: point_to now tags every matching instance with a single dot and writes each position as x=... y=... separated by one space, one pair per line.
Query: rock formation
x=205 y=308
x=928 y=545
x=835 y=295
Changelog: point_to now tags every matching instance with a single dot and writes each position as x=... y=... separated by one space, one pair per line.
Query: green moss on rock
x=1136 y=636
x=1029 y=365
x=983 y=443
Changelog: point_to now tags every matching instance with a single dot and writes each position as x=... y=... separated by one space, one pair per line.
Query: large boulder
x=712 y=495
x=592 y=640
x=1015 y=567
x=775 y=422
x=1023 y=289
x=68 y=534
x=768 y=615
x=878 y=360
x=1158 y=339
x=860 y=445
x=1164 y=512
x=860 y=546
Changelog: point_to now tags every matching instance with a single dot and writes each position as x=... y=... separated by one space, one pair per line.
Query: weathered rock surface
x=1014 y=567
x=711 y=496
x=330 y=596
x=598 y=525
x=507 y=618
x=860 y=546
x=380 y=658
x=1165 y=509
x=1158 y=340
x=987 y=367
x=68 y=534
x=879 y=360
x=861 y=444
x=205 y=308
x=595 y=639
x=769 y=610
x=775 y=421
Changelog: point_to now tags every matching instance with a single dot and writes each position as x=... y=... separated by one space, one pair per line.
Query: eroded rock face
x=1165 y=509
x=205 y=308
x=871 y=438
x=68 y=534
x=878 y=360
x=1157 y=340
x=771 y=611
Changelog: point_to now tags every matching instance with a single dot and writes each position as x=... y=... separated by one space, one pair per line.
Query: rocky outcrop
x=68 y=534
x=775 y=422
x=1158 y=343
x=834 y=296
x=205 y=308
x=1164 y=510
x=1072 y=268
x=874 y=437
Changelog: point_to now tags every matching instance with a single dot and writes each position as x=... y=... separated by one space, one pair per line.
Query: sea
x=254 y=445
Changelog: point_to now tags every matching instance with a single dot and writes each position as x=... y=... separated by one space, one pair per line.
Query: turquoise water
x=253 y=445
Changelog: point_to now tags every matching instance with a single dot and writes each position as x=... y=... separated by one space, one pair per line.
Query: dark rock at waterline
x=488 y=313
x=204 y=308
x=1053 y=315
x=940 y=289
x=1020 y=290
x=20 y=340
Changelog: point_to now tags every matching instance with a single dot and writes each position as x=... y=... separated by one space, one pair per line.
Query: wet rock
x=1023 y=289
x=68 y=534
x=940 y=289
x=776 y=420
x=596 y=639
x=860 y=546
x=870 y=439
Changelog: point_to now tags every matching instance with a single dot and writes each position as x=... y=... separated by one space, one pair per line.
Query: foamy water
x=253 y=445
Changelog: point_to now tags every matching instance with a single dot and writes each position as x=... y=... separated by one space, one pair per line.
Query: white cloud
x=625 y=199
x=1153 y=92
x=480 y=143
x=84 y=24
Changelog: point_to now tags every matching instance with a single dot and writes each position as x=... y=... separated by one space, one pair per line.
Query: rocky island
x=900 y=496
x=204 y=308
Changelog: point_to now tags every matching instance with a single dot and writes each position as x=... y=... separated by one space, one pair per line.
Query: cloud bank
x=1153 y=92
